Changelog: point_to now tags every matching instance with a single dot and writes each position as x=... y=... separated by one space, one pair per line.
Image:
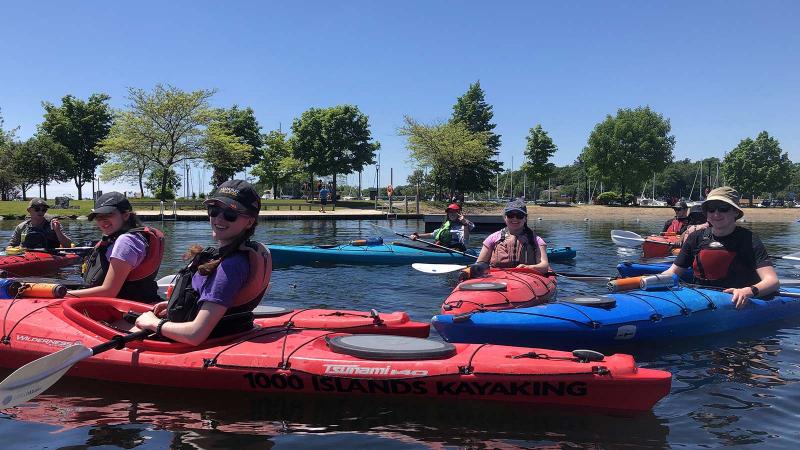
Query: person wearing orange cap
x=454 y=232
x=726 y=255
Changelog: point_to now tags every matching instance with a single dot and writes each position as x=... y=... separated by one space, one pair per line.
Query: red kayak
x=33 y=263
x=501 y=289
x=658 y=246
x=293 y=359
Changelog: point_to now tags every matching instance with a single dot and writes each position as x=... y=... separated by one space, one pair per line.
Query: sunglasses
x=227 y=214
x=515 y=215
x=39 y=208
x=721 y=208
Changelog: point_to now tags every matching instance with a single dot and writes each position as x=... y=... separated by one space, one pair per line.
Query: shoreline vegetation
x=16 y=210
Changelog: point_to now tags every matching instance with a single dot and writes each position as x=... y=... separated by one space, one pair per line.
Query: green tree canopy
x=243 y=124
x=538 y=151
x=472 y=110
x=8 y=176
x=757 y=166
x=458 y=158
x=173 y=123
x=41 y=160
x=276 y=163
x=155 y=182
x=127 y=149
x=629 y=148
x=333 y=141
x=79 y=126
x=226 y=153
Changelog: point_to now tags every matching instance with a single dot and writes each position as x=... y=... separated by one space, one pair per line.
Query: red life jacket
x=140 y=285
x=713 y=261
x=512 y=251
x=677 y=226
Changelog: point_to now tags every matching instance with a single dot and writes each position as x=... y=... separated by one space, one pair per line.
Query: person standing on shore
x=38 y=231
x=323 y=198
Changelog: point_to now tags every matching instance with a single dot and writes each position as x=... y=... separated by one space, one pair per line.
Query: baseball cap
x=237 y=194
x=110 y=202
x=37 y=202
x=453 y=206
x=516 y=205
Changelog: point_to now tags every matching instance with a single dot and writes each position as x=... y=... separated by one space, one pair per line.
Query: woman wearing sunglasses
x=725 y=255
x=515 y=245
x=215 y=294
x=38 y=231
x=125 y=262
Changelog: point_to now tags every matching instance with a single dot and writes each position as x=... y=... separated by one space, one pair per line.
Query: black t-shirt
x=750 y=255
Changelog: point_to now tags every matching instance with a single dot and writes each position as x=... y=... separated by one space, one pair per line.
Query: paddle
x=625 y=238
x=35 y=377
x=447 y=268
x=61 y=249
x=391 y=231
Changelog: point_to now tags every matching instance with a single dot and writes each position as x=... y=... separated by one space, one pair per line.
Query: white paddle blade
x=437 y=268
x=35 y=377
x=626 y=238
x=793 y=256
x=165 y=282
x=382 y=229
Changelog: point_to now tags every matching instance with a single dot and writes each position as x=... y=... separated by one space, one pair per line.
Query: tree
x=225 y=153
x=79 y=126
x=8 y=175
x=333 y=141
x=41 y=160
x=538 y=151
x=127 y=149
x=458 y=158
x=757 y=166
x=156 y=181
x=174 y=122
x=243 y=124
x=629 y=148
x=472 y=110
x=276 y=163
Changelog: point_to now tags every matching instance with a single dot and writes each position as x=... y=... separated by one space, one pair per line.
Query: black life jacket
x=38 y=237
x=140 y=285
x=715 y=265
x=183 y=303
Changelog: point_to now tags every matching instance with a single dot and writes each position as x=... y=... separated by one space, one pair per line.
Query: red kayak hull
x=659 y=246
x=36 y=263
x=294 y=360
x=521 y=288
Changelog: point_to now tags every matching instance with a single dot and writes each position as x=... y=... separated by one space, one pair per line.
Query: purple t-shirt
x=131 y=248
x=222 y=286
x=491 y=241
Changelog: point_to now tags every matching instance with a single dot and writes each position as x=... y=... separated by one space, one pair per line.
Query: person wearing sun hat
x=38 y=231
x=726 y=255
x=516 y=245
x=454 y=232
x=215 y=294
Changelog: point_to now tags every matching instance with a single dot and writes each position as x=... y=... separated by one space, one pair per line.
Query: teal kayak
x=399 y=253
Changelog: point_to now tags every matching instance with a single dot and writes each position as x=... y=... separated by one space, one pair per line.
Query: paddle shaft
x=429 y=243
x=118 y=342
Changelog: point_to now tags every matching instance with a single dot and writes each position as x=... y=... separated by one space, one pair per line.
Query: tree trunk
x=164 y=185
x=79 y=185
x=44 y=190
x=333 y=199
x=24 y=194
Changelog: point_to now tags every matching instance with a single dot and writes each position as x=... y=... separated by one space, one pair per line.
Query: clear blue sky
x=719 y=70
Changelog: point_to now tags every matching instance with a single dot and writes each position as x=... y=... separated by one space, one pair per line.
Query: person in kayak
x=516 y=245
x=38 y=231
x=725 y=255
x=453 y=233
x=678 y=223
x=125 y=261
x=697 y=221
x=215 y=294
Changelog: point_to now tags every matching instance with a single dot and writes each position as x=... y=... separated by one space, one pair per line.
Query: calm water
x=733 y=389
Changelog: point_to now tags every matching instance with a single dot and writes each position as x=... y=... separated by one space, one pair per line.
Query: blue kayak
x=399 y=253
x=615 y=319
x=635 y=269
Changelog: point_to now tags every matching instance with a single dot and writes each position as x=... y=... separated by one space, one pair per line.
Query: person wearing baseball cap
x=726 y=255
x=454 y=232
x=125 y=262
x=215 y=294
x=39 y=231
x=679 y=223
x=516 y=245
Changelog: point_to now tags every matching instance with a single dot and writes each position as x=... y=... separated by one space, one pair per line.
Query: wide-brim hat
x=727 y=195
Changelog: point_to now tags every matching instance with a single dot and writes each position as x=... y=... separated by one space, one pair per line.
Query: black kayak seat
x=387 y=347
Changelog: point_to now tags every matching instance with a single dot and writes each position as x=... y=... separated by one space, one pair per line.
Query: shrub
x=608 y=197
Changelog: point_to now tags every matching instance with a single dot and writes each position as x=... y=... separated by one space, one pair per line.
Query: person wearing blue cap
x=516 y=245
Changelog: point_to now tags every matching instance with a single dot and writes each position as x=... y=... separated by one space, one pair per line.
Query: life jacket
x=184 y=305
x=38 y=237
x=140 y=285
x=512 y=251
x=677 y=226
x=442 y=235
x=716 y=265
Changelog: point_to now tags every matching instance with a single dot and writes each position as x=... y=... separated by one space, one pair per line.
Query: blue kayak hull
x=634 y=269
x=635 y=317
x=386 y=254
